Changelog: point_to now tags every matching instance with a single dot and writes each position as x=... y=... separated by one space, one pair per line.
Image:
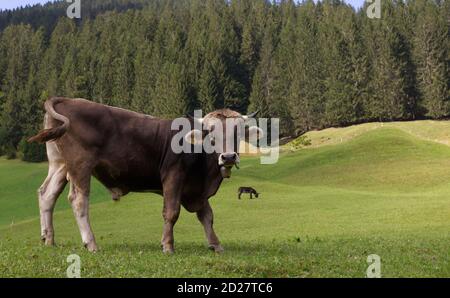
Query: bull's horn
x=253 y=115
x=196 y=119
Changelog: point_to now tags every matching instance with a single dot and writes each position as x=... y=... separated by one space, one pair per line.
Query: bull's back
x=124 y=147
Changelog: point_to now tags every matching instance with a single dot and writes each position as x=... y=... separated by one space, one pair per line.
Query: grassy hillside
x=19 y=182
x=430 y=130
x=322 y=211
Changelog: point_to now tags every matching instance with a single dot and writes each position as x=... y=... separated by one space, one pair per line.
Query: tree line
x=314 y=65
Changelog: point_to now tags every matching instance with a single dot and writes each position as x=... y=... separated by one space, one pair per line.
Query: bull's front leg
x=206 y=217
x=171 y=212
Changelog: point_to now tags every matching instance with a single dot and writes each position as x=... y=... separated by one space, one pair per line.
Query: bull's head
x=222 y=133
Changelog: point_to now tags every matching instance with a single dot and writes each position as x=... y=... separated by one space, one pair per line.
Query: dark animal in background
x=249 y=190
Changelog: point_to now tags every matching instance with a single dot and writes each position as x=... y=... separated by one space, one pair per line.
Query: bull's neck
x=214 y=176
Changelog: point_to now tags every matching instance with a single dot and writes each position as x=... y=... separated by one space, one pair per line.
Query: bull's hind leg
x=79 y=199
x=206 y=217
x=48 y=194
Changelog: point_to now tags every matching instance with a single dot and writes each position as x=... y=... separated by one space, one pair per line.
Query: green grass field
x=383 y=189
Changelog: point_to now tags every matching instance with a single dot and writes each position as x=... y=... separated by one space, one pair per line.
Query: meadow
x=369 y=189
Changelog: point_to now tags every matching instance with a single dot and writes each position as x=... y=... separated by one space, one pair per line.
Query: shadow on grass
x=198 y=248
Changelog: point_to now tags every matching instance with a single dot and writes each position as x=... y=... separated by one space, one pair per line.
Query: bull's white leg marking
x=50 y=190
x=206 y=217
x=48 y=194
x=79 y=200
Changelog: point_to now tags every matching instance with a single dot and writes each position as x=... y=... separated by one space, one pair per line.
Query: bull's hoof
x=48 y=241
x=217 y=248
x=168 y=249
x=91 y=247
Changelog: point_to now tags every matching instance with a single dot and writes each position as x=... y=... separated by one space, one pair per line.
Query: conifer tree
x=314 y=64
x=430 y=40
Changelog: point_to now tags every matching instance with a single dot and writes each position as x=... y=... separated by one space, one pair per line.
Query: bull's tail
x=54 y=133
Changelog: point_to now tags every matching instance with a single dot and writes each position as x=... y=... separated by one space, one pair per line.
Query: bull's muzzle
x=226 y=162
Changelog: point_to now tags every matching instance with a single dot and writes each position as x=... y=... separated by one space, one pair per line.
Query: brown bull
x=129 y=152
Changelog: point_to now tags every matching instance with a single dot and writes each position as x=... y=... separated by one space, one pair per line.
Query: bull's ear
x=194 y=137
x=255 y=133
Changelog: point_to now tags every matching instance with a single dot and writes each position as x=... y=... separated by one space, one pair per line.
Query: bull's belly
x=124 y=182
